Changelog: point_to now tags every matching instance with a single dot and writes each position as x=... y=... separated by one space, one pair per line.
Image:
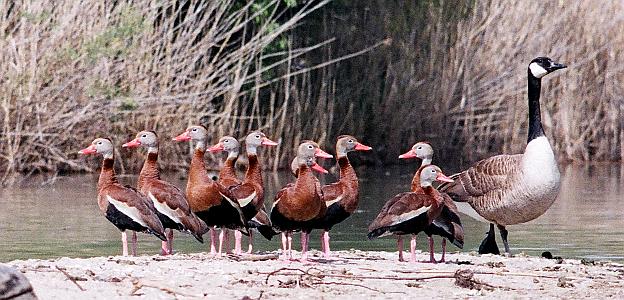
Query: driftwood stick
x=71 y=278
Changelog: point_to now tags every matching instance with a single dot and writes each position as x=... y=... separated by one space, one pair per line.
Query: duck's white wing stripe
x=245 y=201
x=132 y=212
x=164 y=209
x=408 y=215
x=330 y=202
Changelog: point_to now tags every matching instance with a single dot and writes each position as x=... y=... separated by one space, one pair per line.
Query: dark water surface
x=63 y=219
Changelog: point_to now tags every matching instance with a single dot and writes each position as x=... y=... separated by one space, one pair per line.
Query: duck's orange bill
x=267 y=142
x=443 y=178
x=362 y=147
x=322 y=154
x=216 y=148
x=132 y=144
x=183 y=137
x=408 y=154
x=318 y=168
x=89 y=150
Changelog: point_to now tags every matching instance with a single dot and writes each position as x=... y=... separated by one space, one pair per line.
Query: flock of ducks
x=501 y=190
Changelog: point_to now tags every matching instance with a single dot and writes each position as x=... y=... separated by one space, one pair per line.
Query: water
x=62 y=219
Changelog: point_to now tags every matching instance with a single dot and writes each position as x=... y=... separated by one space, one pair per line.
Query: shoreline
x=347 y=275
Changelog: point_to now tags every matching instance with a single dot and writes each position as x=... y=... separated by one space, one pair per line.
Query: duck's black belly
x=168 y=222
x=222 y=215
x=412 y=226
x=282 y=223
x=121 y=221
x=335 y=214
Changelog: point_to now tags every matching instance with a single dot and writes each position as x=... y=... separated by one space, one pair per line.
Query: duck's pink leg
x=289 y=234
x=213 y=239
x=238 y=236
x=134 y=243
x=413 y=249
x=326 y=250
x=431 y=257
x=284 y=254
x=222 y=235
x=400 y=247
x=250 y=242
x=124 y=243
x=304 y=246
x=443 y=250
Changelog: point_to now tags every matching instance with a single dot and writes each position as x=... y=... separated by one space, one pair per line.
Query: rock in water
x=14 y=285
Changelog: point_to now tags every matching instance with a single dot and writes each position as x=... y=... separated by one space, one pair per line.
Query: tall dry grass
x=74 y=70
x=455 y=75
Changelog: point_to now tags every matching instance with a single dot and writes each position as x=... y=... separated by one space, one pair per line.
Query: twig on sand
x=358 y=285
x=253 y=257
x=71 y=278
x=137 y=285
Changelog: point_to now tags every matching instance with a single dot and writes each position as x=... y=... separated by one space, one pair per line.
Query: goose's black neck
x=535 y=120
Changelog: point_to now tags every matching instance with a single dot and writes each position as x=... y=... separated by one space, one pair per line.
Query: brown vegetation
x=446 y=71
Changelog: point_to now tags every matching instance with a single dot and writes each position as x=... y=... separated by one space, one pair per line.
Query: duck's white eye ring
x=419 y=147
x=257 y=136
x=194 y=129
x=99 y=143
x=350 y=141
x=144 y=136
x=226 y=141
x=310 y=147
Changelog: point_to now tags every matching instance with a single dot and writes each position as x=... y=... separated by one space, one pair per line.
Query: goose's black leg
x=503 y=233
x=488 y=245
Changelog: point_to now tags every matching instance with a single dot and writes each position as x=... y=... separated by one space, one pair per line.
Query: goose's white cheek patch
x=537 y=70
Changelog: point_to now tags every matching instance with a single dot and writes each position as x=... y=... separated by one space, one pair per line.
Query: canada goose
x=512 y=189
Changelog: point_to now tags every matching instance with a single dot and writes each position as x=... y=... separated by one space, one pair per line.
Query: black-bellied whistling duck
x=295 y=206
x=342 y=197
x=210 y=200
x=411 y=212
x=123 y=206
x=250 y=193
x=447 y=224
x=227 y=174
x=170 y=203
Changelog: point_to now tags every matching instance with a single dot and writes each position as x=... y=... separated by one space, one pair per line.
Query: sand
x=350 y=274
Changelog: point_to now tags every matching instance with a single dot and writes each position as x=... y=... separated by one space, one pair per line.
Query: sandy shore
x=349 y=275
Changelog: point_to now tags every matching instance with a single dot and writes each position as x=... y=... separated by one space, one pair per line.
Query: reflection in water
x=63 y=219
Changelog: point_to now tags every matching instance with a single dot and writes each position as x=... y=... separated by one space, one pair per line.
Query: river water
x=63 y=219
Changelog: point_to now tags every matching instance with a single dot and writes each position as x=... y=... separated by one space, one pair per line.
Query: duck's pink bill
x=89 y=150
x=318 y=168
x=362 y=147
x=183 y=137
x=267 y=142
x=322 y=154
x=443 y=178
x=216 y=148
x=132 y=144
x=407 y=155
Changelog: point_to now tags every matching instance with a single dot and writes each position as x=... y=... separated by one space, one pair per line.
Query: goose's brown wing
x=487 y=178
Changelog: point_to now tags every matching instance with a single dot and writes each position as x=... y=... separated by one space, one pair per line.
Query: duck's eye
x=144 y=136
x=194 y=129
x=351 y=141
x=310 y=147
x=226 y=141
x=419 y=147
x=433 y=171
x=99 y=143
x=257 y=136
